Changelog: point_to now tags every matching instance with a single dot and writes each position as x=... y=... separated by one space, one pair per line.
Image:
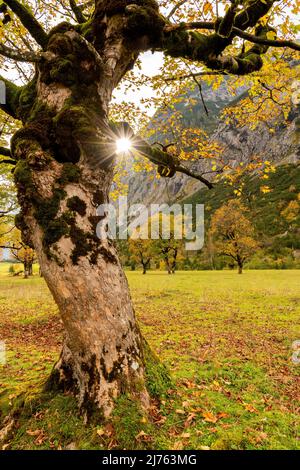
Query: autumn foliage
x=232 y=233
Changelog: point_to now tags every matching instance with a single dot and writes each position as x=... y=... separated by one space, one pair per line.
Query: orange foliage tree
x=232 y=233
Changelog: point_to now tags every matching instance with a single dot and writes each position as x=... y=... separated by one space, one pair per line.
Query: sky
x=150 y=64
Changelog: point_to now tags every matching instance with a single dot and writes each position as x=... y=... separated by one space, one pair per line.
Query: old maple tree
x=64 y=160
x=233 y=234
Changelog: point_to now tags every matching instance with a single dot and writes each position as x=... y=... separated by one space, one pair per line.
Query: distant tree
x=12 y=240
x=142 y=252
x=169 y=250
x=25 y=255
x=232 y=233
x=11 y=269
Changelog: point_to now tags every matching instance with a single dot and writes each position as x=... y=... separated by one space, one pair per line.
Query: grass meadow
x=227 y=340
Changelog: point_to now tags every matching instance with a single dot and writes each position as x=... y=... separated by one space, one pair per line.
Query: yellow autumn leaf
x=271 y=35
x=209 y=417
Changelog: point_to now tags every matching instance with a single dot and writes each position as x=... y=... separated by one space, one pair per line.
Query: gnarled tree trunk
x=65 y=169
x=64 y=172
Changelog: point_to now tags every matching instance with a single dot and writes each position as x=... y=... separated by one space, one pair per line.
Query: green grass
x=226 y=339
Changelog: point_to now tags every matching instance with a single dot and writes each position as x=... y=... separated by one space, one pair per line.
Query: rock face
x=241 y=144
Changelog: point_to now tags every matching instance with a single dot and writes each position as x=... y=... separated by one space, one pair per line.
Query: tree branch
x=77 y=10
x=237 y=32
x=264 y=41
x=175 y=8
x=182 y=169
x=7 y=162
x=29 y=21
x=19 y=56
x=5 y=152
x=210 y=25
x=196 y=74
x=17 y=248
x=167 y=164
x=249 y=16
x=180 y=41
x=224 y=28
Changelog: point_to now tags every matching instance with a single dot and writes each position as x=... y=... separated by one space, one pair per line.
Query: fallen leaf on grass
x=40 y=440
x=262 y=436
x=177 y=446
x=209 y=417
x=109 y=430
x=222 y=415
x=142 y=436
x=37 y=432
x=213 y=430
x=250 y=408
x=189 y=419
x=216 y=386
x=188 y=383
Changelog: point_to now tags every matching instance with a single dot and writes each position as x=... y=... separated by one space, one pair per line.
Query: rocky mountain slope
x=281 y=147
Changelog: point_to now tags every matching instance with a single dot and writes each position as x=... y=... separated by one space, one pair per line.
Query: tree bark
x=102 y=353
x=168 y=265
x=240 y=266
x=26 y=272
x=28 y=269
x=64 y=172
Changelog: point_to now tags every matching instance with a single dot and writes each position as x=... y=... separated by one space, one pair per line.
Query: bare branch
x=77 y=10
x=7 y=162
x=240 y=33
x=5 y=152
x=29 y=21
x=8 y=247
x=180 y=41
x=20 y=56
x=175 y=8
x=167 y=164
x=196 y=74
x=182 y=169
x=264 y=41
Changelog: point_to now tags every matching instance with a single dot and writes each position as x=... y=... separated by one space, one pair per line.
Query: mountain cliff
x=240 y=144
